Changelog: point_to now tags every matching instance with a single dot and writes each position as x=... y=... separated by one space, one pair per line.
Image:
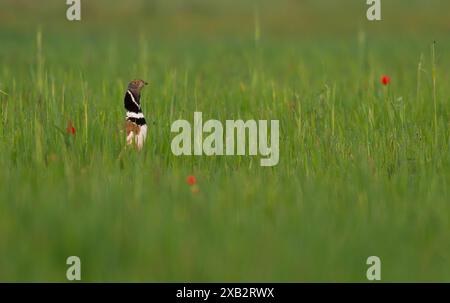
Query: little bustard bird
x=136 y=125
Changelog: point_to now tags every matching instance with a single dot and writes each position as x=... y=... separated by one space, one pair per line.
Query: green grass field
x=364 y=168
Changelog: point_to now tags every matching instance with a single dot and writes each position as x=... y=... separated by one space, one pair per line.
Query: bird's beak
x=146 y=83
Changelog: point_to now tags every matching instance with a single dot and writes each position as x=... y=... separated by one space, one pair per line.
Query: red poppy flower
x=385 y=80
x=191 y=180
x=70 y=129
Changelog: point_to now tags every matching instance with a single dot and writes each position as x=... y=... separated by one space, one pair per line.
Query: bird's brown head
x=136 y=85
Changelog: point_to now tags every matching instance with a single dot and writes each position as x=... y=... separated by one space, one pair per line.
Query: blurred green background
x=364 y=169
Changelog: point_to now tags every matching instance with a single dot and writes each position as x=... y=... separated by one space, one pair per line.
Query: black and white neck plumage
x=133 y=107
x=135 y=121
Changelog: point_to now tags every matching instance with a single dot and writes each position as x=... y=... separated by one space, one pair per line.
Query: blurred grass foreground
x=364 y=168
